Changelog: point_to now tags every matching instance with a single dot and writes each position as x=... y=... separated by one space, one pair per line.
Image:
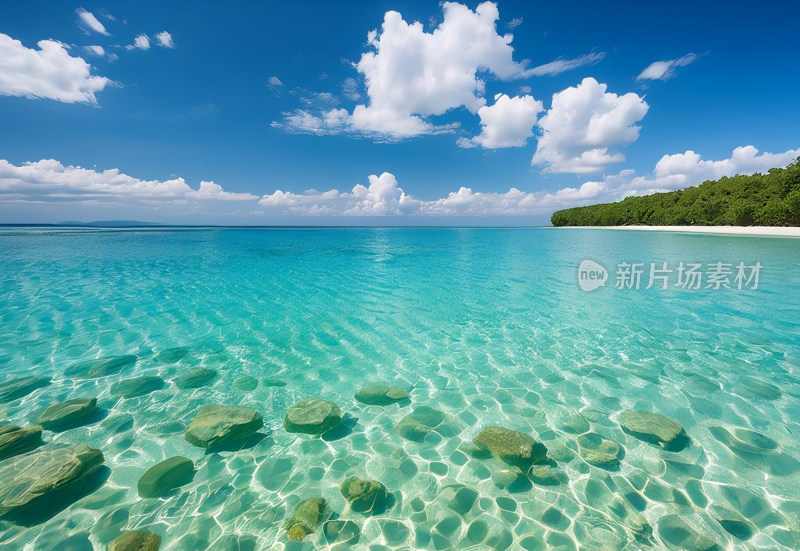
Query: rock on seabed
x=364 y=496
x=133 y=540
x=312 y=416
x=19 y=388
x=15 y=440
x=511 y=447
x=381 y=394
x=163 y=477
x=26 y=479
x=306 y=518
x=652 y=428
x=217 y=424
x=65 y=414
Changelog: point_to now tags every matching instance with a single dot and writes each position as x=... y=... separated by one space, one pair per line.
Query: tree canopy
x=771 y=199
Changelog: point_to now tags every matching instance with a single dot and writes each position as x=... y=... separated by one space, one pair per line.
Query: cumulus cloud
x=382 y=197
x=49 y=72
x=562 y=65
x=50 y=181
x=683 y=170
x=165 y=40
x=411 y=74
x=98 y=51
x=141 y=42
x=507 y=123
x=89 y=21
x=665 y=70
x=582 y=124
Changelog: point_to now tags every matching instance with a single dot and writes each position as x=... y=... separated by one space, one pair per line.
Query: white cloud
x=664 y=70
x=49 y=72
x=274 y=81
x=684 y=170
x=582 y=124
x=50 y=181
x=688 y=169
x=385 y=197
x=322 y=99
x=141 y=42
x=412 y=74
x=507 y=123
x=90 y=21
x=562 y=65
x=381 y=197
x=514 y=23
x=301 y=121
x=95 y=50
x=350 y=89
x=165 y=40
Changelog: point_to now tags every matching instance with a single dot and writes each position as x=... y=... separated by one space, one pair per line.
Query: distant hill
x=771 y=199
x=110 y=224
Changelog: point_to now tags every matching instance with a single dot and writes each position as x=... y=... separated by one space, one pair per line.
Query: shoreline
x=765 y=231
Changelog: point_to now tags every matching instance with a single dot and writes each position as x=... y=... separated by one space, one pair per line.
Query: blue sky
x=349 y=113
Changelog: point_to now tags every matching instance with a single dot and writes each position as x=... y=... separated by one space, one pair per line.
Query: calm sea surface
x=488 y=326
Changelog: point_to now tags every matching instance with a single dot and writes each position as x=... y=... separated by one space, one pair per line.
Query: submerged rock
x=364 y=496
x=312 y=416
x=134 y=540
x=67 y=414
x=245 y=383
x=172 y=355
x=306 y=518
x=381 y=394
x=30 y=478
x=342 y=532
x=19 y=388
x=15 y=440
x=599 y=451
x=419 y=423
x=511 y=447
x=217 y=424
x=545 y=475
x=101 y=367
x=195 y=379
x=137 y=386
x=162 y=478
x=653 y=428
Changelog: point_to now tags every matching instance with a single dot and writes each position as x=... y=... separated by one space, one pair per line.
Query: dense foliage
x=771 y=199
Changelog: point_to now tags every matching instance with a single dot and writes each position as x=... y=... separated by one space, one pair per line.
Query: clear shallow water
x=487 y=325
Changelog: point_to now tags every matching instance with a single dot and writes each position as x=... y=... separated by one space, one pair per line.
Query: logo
x=591 y=275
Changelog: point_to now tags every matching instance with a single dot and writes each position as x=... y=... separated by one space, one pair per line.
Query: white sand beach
x=768 y=231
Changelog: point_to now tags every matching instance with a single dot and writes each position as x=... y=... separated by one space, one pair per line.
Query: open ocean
x=488 y=326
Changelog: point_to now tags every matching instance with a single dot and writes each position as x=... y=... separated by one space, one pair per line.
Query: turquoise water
x=487 y=325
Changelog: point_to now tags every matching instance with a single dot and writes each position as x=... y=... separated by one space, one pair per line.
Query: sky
x=387 y=112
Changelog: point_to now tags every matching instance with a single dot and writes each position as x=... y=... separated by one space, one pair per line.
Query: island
x=771 y=199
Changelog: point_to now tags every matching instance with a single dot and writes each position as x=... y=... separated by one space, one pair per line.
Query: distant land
x=771 y=199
